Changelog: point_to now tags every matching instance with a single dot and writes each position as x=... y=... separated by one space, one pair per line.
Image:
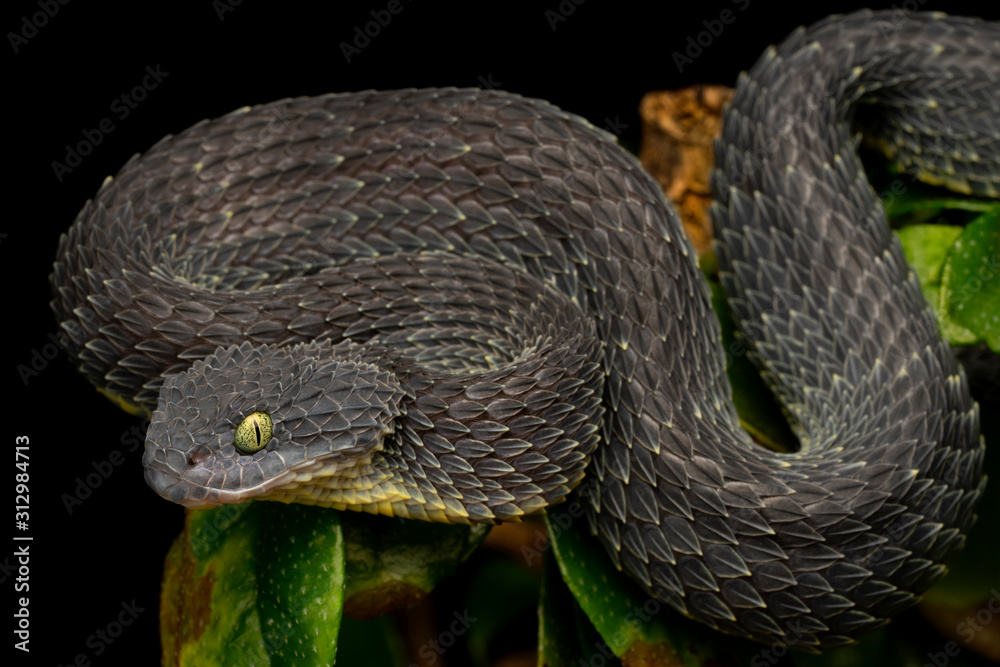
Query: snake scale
x=450 y=304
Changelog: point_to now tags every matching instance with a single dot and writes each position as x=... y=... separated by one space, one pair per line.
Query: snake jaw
x=330 y=415
x=183 y=491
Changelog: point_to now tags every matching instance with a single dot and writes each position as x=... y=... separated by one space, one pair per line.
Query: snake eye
x=254 y=432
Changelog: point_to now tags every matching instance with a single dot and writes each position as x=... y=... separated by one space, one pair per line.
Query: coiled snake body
x=450 y=304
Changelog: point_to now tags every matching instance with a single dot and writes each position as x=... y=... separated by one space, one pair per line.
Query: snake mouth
x=177 y=488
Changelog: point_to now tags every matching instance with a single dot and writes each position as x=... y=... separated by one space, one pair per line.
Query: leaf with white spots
x=637 y=628
x=970 y=280
x=566 y=638
x=254 y=584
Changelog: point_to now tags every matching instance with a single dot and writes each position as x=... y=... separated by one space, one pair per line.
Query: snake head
x=251 y=421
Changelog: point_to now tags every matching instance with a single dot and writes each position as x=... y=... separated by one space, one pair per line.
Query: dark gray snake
x=448 y=304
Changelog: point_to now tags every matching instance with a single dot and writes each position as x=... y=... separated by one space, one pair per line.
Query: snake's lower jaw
x=180 y=491
x=195 y=496
x=193 y=487
x=173 y=488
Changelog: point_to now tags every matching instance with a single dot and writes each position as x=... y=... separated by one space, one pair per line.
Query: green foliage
x=565 y=635
x=254 y=584
x=631 y=624
x=970 y=280
x=392 y=563
x=953 y=246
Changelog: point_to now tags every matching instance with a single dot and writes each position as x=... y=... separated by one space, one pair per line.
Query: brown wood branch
x=678 y=131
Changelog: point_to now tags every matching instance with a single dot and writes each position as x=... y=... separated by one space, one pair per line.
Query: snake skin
x=454 y=302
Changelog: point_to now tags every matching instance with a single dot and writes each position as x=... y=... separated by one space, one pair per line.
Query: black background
x=598 y=62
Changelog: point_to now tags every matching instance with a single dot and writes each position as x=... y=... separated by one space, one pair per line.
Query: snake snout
x=169 y=486
x=175 y=474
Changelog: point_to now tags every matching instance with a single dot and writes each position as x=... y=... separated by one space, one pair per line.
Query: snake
x=455 y=305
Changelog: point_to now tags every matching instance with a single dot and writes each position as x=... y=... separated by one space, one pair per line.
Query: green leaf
x=254 y=584
x=970 y=281
x=919 y=205
x=392 y=563
x=957 y=269
x=909 y=201
x=926 y=248
x=559 y=641
x=637 y=628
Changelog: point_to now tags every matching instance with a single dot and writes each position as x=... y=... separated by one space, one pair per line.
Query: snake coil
x=450 y=304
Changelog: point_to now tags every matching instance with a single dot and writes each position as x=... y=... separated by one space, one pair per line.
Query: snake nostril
x=197 y=456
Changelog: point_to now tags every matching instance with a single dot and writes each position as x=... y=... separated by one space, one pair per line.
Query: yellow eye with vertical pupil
x=254 y=432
